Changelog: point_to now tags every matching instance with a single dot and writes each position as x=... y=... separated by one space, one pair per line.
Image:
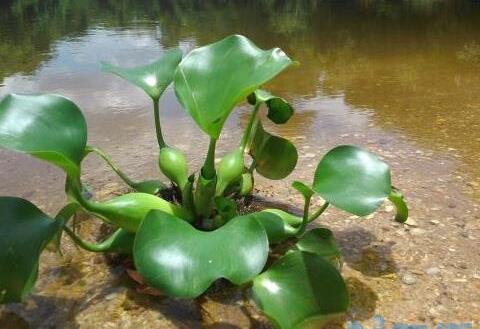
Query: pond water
x=401 y=78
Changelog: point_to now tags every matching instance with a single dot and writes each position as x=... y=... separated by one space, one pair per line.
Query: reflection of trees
x=412 y=62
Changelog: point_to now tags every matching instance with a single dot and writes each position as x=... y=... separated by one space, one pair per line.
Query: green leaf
x=212 y=79
x=181 y=261
x=301 y=290
x=48 y=127
x=127 y=211
x=24 y=232
x=353 y=180
x=305 y=191
x=321 y=241
x=275 y=157
x=153 y=78
x=396 y=197
x=278 y=224
x=279 y=110
x=149 y=186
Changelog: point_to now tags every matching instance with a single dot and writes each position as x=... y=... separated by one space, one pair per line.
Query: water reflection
x=408 y=67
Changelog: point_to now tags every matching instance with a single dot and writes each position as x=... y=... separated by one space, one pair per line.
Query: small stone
x=389 y=208
x=433 y=271
x=417 y=231
x=409 y=279
x=434 y=222
x=411 y=222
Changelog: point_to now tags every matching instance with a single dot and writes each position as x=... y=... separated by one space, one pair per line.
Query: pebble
x=417 y=231
x=409 y=279
x=434 y=222
x=433 y=271
x=411 y=222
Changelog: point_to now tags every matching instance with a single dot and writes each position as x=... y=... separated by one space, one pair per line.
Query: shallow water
x=401 y=78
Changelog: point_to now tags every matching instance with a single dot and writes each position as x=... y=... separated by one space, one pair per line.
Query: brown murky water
x=401 y=78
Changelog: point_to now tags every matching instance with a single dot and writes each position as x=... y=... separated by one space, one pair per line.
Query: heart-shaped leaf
x=352 y=179
x=279 y=110
x=24 y=232
x=153 y=78
x=48 y=127
x=321 y=241
x=212 y=79
x=301 y=290
x=181 y=261
x=275 y=157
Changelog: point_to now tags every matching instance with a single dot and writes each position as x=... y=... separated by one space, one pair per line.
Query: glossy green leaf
x=48 y=127
x=305 y=191
x=301 y=290
x=278 y=224
x=24 y=232
x=212 y=79
x=279 y=110
x=153 y=78
x=321 y=241
x=275 y=157
x=149 y=186
x=181 y=261
x=127 y=211
x=353 y=180
x=396 y=197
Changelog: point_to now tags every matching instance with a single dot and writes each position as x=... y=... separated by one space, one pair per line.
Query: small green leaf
x=127 y=211
x=24 y=232
x=301 y=290
x=279 y=110
x=396 y=197
x=278 y=224
x=181 y=261
x=321 y=241
x=275 y=157
x=305 y=191
x=153 y=78
x=149 y=186
x=48 y=127
x=353 y=180
x=226 y=208
x=212 y=79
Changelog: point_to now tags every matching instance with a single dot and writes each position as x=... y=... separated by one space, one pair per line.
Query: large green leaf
x=24 y=232
x=181 y=261
x=153 y=78
x=275 y=157
x=301 y=290
x=279 y=110
x=353 y=180
x=211 y=80
x=49 y=127
x=321 y=241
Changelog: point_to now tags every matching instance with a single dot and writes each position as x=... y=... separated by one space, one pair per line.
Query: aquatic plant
x=182 y=244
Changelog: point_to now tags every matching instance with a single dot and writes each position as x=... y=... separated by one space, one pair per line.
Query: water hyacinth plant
x=182 y=244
